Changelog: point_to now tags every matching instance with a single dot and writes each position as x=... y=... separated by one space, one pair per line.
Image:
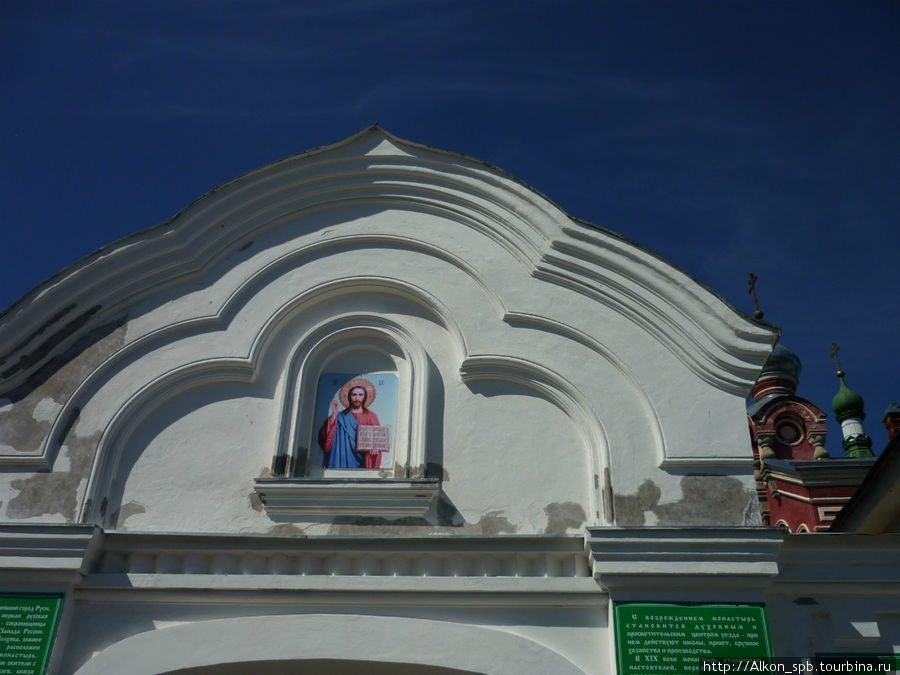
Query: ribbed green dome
x=847 y=403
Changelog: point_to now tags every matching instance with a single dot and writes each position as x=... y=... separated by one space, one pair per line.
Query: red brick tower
x=799 y=485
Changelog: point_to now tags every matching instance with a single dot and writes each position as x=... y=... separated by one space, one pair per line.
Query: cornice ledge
x=859 y=558
x=555 y=588
x=681 y=558
x=47 y=554
x=817 y=472
x=34 y=461
x=376 y=497
x=434 y=556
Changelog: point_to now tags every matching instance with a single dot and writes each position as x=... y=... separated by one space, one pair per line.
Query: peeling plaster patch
x=63 y=463
x=286 y=528
x=752 y=516
x=34 y=357
x=61 y=374
x=706 y=500
x=629 y=509
x=24 y=424
x=57 y=492
x=494 y=522
x=36 y=334
x=46 y=410
x=20 y=431
x=563 y=515
x=125 y=512
x=255 y=502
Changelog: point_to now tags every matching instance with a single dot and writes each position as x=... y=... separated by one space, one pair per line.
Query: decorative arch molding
x=374 y=168
x=295 y=639
x=220 y=223
x=244 y=370
x=371 y=332
x=520 y=319
x=570 y=400
x=666 y=303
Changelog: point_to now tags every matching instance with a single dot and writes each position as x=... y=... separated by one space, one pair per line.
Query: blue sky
x=728 y=137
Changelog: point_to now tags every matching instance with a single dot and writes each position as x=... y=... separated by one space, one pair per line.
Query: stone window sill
x=367 y=497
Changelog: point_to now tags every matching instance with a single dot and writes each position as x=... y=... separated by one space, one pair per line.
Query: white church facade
x=384 y=408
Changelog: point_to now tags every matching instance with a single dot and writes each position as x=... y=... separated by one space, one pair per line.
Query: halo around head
x=344 y=394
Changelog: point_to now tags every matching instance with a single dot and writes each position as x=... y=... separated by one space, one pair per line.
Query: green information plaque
x=27 y=628
x=657 y=639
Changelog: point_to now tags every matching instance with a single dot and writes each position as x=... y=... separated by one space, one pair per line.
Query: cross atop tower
x=834 y=354
x=758 y=313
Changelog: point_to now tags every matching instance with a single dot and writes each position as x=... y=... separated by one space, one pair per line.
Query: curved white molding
x=198 y=239
x=373 y=167
x=243 y=369
x=666 y=303
x=559 y=328
x=376 y=639
x=137 y=408
x=569 y=399
x=220 y=320
x=242 y=294
x=653 y=423
x=267 y=272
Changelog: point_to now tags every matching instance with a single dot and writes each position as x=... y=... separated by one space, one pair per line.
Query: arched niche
x=352 y=351
x=300 y=485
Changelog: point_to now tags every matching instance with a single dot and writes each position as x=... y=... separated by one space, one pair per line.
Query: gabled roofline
x=560 y=249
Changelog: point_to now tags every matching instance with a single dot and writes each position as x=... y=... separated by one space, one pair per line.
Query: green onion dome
x=847 y=403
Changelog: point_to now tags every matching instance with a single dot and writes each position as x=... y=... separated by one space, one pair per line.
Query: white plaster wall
x=521 y=446
x=190 y=465
x=558 y=383
x=574 y=640
x=824 y=623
